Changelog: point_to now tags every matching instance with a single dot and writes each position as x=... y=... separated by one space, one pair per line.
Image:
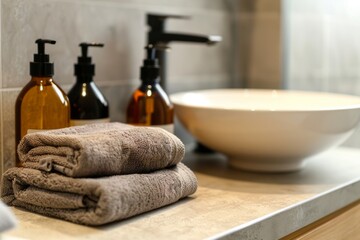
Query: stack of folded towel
x=99 y=173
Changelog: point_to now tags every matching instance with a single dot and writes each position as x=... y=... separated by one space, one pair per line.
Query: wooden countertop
x=229 y=203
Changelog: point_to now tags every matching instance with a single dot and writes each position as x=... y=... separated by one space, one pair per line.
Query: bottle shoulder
x=46 y=89
x=154 y=88
x=58 y=89
x=29 y=85
x=87 y=102
x=86 y=91
x=155 y=96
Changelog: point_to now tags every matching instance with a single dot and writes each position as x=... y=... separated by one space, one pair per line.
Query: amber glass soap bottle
x=149 y=105
x=41 y=104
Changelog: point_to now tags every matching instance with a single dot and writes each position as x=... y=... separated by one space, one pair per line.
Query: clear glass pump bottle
x=41 y=104
x=149 y=105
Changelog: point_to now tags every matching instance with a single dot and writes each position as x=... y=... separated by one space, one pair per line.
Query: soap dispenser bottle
x=149 y=104
x=88 y=104
x=41 y=104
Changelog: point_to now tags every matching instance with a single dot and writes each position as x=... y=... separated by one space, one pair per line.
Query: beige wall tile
x=199 y=59
x=118 y=98
x=122 y=31
x=260 y=51
x=265 y=59
x=8 y=106
x=260 y=6
x=266 y=83
x=266 y=6
x=121 y=27
x=199 y=5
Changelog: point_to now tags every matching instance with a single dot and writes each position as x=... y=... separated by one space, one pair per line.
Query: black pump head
x=84 y=67
x=41 y=67
x=150 y=69
x=150 y=56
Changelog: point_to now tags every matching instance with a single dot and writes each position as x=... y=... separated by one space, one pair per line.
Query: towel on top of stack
x=97 y=174
x=100 y=150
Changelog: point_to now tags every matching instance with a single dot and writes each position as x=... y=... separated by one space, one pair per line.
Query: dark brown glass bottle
x=88 y=104
x=149 y=105
x=41 y=104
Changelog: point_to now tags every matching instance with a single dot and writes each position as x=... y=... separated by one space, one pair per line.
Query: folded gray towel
x=100 y=150
x=96 y=201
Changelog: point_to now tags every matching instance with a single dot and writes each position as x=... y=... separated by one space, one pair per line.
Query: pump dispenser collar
x=41 y=66
x=150 y=70
x=84 y=67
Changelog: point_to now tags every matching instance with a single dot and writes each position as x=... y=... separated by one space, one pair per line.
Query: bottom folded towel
x=96 y=201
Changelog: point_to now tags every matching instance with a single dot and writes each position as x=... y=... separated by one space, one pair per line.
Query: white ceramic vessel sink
x=267 y=130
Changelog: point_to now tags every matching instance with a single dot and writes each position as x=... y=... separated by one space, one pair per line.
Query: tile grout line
x=134 y=82
x=145 y=7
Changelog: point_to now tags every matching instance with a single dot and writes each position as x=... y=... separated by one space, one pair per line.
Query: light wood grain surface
x=343 y=224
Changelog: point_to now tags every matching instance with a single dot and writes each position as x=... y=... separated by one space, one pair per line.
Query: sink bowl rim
x=177 y=99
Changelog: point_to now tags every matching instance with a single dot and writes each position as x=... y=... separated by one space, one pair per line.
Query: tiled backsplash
x=318 y=41
x=248 y=56
x=259 y=39
x=121 y=25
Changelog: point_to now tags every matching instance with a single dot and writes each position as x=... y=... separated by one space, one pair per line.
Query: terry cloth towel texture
x=100 y=150
x=96 y=201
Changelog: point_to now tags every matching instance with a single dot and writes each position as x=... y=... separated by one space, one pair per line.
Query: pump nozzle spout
x=41 y=44
x=84 y=47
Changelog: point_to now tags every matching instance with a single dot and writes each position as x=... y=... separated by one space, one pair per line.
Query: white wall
x=322 y=47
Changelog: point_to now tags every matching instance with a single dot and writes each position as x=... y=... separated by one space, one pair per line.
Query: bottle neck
x=150 y=81
x=42 y=80
x=84 y=79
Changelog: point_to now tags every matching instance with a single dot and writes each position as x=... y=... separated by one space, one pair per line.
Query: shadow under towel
x=101 y=149
x=96 y=201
